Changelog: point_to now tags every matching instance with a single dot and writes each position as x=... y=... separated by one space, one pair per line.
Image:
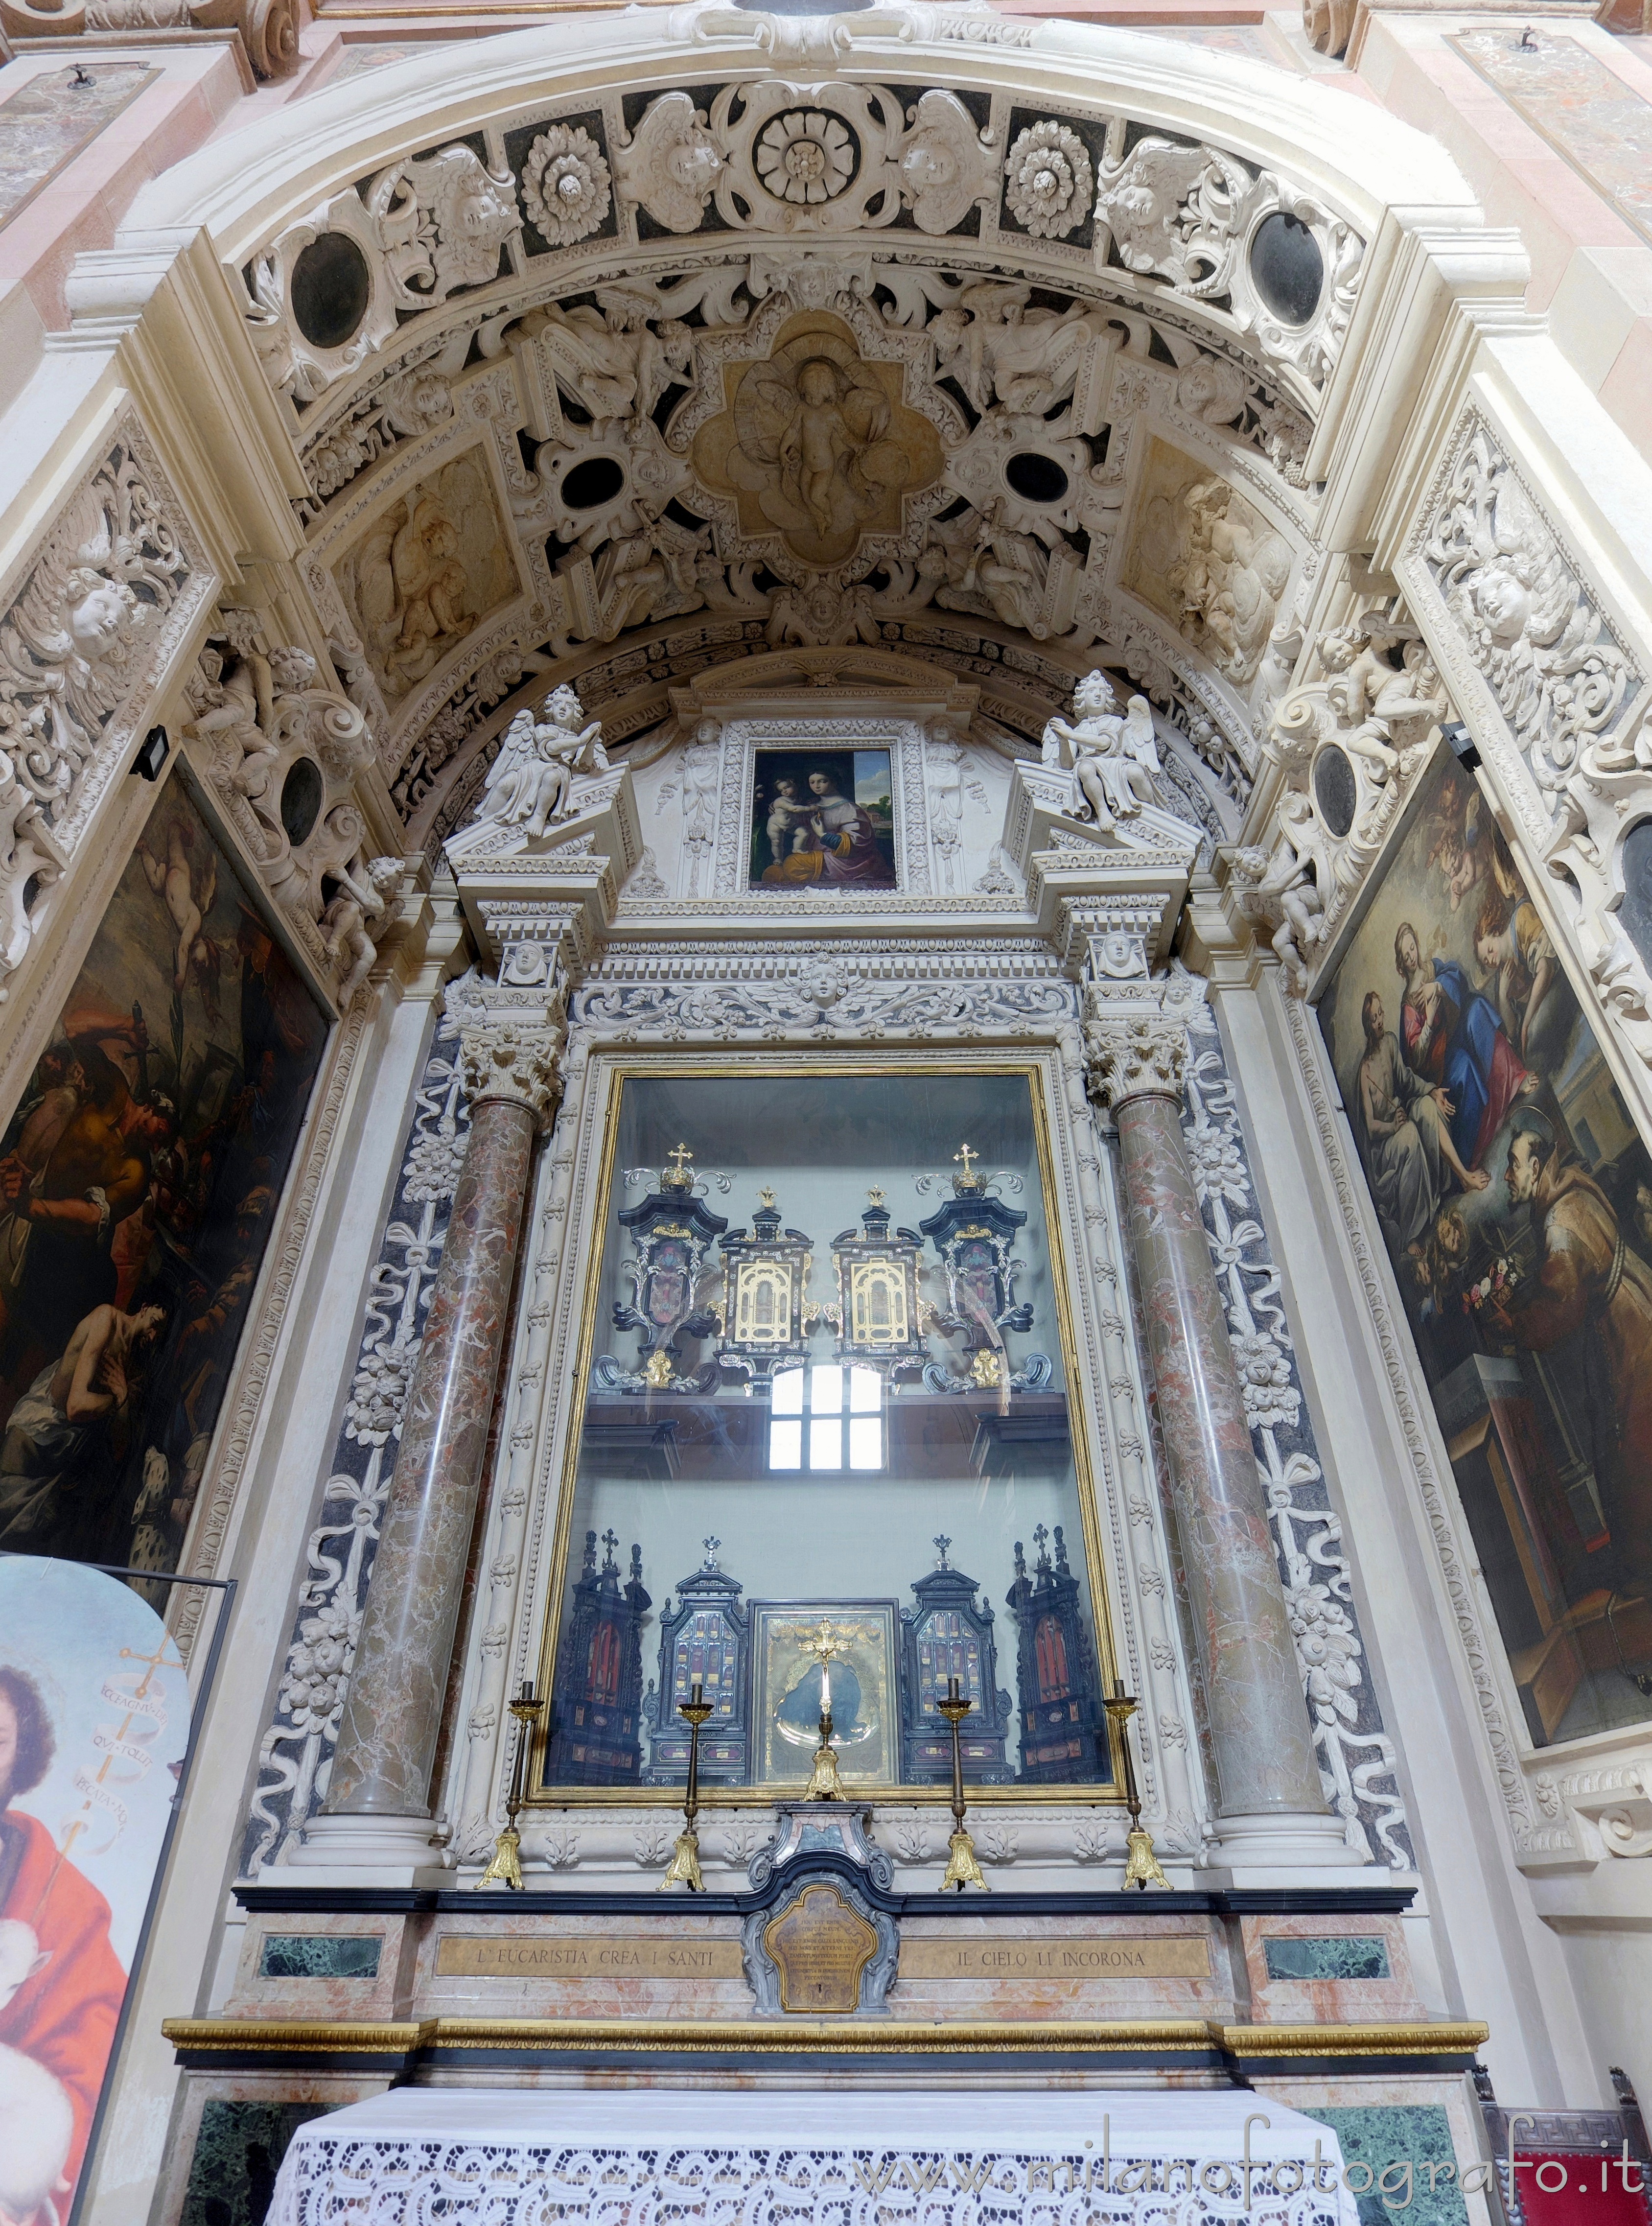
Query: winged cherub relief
x=816 y=444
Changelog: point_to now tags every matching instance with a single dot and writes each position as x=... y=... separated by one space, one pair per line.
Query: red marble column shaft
x=1259 y=1726
x=387 y=1741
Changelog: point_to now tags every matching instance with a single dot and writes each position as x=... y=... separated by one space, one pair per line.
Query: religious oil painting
x=140 y=1174
x=1516 y=1198
x=822 y=819
x=425 y=573
x=94 y=1723
x=857 y=1674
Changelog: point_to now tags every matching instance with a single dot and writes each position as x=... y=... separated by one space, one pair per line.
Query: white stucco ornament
x=805 y=156
x=1049 y=180
x=565 y=184
x=671 y=165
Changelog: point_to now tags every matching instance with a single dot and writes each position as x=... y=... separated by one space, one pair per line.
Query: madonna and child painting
x=822 y=819
x=1516 y=1198
x=141 y=1167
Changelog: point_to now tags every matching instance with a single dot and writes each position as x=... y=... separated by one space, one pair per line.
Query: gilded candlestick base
x=1141 y=1865
x=683 y=1869
x=961 y=1867
x=824 y=1784
x=505 y=1869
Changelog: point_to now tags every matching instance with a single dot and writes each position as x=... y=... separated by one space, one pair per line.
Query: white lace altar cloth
x=422 y=2156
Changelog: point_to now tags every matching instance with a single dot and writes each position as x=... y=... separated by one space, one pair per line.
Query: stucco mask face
x=1503 y=604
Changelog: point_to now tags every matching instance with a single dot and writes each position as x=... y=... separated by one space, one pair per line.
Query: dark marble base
x=237 y=2153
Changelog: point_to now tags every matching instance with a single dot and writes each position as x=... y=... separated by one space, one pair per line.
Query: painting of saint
x=1514 y=1196
x=822 y=819
x=94 y=1721
x=139 y=1177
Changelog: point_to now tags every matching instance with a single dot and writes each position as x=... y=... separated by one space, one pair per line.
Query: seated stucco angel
x=1114 y=757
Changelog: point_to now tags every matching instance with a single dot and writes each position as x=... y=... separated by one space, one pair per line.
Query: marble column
x=387 y=1741
x=1269 y=1803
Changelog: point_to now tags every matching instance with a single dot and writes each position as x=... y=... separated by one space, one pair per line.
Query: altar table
x=813 y=2157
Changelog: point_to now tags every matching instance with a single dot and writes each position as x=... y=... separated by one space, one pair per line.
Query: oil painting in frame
x=141 y=1171
x=822 y=819
x=1514 y=1196
x=786 y=1679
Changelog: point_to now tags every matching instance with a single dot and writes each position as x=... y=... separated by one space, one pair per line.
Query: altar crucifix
x=824 y=1784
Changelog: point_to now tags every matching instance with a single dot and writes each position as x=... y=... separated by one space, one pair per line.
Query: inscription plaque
x=820 y=1947
x=990 y=1956
x=610 y=1955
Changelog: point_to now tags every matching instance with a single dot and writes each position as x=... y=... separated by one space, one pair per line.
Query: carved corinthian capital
x=1135 y=1057
x=515 y=1064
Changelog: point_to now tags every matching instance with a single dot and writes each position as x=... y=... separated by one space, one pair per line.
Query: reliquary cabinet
x=825 y=1416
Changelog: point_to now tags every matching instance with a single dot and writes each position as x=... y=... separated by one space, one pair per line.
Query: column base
x=1272 y=1849
x=358 y=1851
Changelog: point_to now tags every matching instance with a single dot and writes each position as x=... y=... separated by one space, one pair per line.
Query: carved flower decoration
x=1265 y=1380
x=565 y=187
x=378 y=1396
x=805 y=156
x=319 y=1663
x=1049 y=173
x=433 y=1164
x=1327 y=1647
x=1218 y=1171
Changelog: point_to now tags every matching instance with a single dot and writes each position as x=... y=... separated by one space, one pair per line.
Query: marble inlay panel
x=1584 y=110
x=51 y=119
x=237 y=2153
x=317 y=1956
x=1358 y=1957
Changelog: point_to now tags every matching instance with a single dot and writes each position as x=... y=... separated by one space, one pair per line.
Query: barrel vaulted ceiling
x=889 y=332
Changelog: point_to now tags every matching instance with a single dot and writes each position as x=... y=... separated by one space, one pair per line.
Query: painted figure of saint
x=1454 y=1039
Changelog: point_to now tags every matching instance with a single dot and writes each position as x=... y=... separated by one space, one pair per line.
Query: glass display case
x=826 y=1427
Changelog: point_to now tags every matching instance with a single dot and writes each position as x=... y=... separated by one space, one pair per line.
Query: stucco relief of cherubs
x=1114 y=757
x=818 y=444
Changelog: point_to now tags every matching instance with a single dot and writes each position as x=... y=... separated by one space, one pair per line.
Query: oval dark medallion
x=1036 y=478
x=1288 y=267
x=330 y=288
x=598 y=480
x=1335 y=790
x=302 y=797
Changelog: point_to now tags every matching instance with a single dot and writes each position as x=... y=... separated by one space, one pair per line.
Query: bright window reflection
x=827 y=1396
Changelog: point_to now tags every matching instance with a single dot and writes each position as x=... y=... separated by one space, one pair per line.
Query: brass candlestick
x=683 y=1868
x=824 y=1782
x=505 y=1869
x=1141 y=1865
x=961 y=1867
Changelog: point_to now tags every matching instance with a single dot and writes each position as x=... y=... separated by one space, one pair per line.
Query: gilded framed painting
x=1514 y=1196
x=787 y=1672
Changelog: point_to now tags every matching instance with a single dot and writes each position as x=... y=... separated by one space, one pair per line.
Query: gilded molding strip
x=851 y=2034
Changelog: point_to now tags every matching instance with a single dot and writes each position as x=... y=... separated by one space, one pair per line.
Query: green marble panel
x=319 y=1956
x=1328 y=1957
x=1385 y=2138
x=237 y=2153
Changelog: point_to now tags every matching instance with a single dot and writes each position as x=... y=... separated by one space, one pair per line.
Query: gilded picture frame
x=786 y=1688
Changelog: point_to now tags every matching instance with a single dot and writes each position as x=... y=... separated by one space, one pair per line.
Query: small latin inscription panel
x=1179 y=1955
x=611 y=1955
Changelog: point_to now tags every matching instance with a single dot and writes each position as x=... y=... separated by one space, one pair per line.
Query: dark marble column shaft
x=387 y=1740
x=1259 y=1726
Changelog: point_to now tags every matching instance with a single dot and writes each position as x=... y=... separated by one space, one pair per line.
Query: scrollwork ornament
x=566 y=188
x=1049 y=180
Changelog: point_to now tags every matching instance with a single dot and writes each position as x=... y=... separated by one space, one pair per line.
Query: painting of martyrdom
x=822 y=819
x=1514 y=1195
x=94 y=1723
x=139 y=1177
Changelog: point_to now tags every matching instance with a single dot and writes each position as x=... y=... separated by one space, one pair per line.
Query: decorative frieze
x=107 y=596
